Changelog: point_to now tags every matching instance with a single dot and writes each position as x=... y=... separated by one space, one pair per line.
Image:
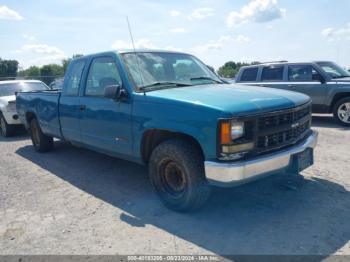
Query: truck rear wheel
x=41 y=142
x=341 y=111
x=176 y=171
x=6 y=130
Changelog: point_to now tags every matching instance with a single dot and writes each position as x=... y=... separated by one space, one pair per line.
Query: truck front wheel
x=342 y=111
x=176 y=171
x=42 y=143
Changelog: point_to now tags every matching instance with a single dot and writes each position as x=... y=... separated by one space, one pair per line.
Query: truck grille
x=282 y=129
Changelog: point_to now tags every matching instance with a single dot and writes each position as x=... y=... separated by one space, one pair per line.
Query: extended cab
x=325 y=82
x=169 y=111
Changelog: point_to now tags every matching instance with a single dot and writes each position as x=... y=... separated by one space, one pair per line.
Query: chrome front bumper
x=231 y=174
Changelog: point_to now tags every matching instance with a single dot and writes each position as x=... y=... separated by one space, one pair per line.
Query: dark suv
x=325 y=82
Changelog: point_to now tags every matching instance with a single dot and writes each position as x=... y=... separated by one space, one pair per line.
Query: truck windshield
x=158 y=70
x=9 y=89
x=333 y=70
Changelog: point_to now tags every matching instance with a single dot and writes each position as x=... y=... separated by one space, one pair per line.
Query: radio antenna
x=137 y=57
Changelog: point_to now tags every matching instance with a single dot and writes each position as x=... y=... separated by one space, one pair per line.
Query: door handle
x=292 y=86
x=82 y=107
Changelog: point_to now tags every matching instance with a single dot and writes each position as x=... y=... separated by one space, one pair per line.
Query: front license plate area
x=302 y=160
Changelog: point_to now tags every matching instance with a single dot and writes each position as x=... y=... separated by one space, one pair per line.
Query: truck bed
x=45 y=106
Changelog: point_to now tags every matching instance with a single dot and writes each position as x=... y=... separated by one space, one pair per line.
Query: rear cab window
x=249 y=74
x=272 y=73
x=74 y=78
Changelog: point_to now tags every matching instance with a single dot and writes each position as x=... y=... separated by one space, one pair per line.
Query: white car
x=8 y=89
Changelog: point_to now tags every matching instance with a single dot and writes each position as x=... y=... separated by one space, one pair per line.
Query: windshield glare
x=9 y=89
x=333 y=70
x=149 y=68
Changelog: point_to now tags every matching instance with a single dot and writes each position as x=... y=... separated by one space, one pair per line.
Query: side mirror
x=115 y=92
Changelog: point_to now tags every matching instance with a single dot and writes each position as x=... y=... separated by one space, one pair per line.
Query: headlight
x=230 y=131
x=237 y=130
x=236 y=139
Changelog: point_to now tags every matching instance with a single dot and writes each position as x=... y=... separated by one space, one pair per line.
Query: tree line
x=230 y=69
x=8 y=68
x=47 y=73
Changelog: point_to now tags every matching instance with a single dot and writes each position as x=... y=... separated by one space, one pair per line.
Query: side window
x=74 y=78
x=302 y=73
x=250 y=74
x=272 y=73
x=103 y=73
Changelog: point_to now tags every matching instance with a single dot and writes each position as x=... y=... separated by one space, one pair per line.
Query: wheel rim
x=173 y=178
x=344 y=112
x=35 y=135
x=3 y=126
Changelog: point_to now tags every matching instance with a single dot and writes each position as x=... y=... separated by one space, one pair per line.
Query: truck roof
x=124 y=51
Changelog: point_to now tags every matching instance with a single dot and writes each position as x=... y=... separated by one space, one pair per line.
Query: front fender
x=203 y=134
x=197 y=121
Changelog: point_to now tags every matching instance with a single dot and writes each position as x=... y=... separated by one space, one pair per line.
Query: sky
x=41 y=32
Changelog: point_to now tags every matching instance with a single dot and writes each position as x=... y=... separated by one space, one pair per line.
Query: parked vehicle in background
x=325 y=82
x=57 y=84
x=169 y=111
x=8 y=116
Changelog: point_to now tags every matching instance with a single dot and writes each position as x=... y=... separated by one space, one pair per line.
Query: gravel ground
x=74 y=201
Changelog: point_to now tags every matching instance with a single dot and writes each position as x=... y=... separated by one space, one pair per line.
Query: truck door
x=69 y=110
x=105 y=123
x=306 y=79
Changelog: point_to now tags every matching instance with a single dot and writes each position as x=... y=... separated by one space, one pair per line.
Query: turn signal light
x=225 y=136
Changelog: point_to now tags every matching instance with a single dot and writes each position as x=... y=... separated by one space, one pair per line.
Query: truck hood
x=234 y=99
x=4 y=100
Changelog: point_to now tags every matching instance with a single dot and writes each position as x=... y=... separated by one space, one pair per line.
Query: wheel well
x=152 y=138
x=336 y=98
x=29 y=117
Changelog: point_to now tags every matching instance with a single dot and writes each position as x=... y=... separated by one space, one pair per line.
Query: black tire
x=41 y=142
x=176 y=171
x=6 y=130
x=339 y=105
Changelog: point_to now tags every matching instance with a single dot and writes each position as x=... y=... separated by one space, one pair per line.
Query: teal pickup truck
x=169 y=111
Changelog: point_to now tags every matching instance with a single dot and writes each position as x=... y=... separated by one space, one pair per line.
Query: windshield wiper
x=160 y=84
x=206 y=78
